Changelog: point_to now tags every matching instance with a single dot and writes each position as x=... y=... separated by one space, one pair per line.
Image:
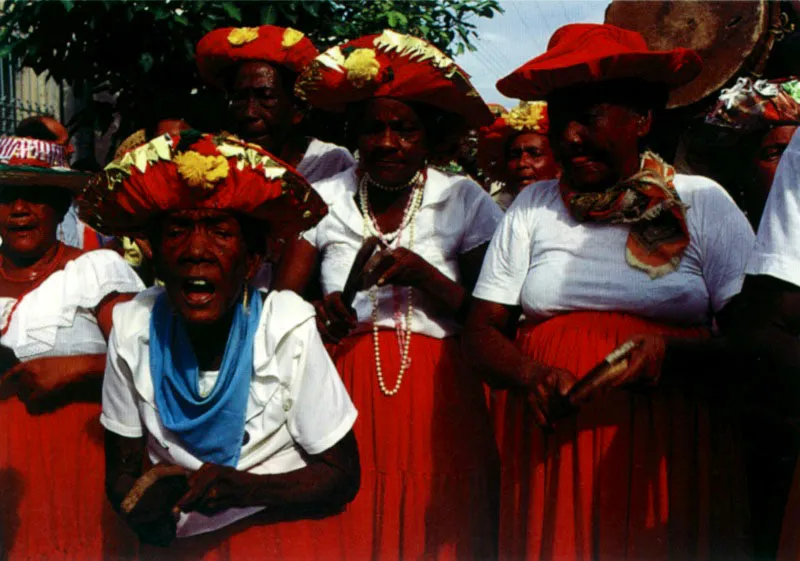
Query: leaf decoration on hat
x=158 y=149
x=414 y=48
x=291 y=37
x=201 y=171
x=242 y=35
x=247 y=156
x=361 y=66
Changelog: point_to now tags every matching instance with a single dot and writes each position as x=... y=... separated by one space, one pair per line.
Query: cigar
x=607 y=368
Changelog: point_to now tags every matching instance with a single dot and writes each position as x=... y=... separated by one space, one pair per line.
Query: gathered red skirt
x=52 y=493
x=429 y=466
x=650 y=476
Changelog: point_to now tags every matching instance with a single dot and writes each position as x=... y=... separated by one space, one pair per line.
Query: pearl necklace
x=391 y=240
x=413 y=181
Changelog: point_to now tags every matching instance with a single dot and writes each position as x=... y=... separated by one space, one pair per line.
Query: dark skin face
x=391 y=141
x=29 y=219
x=262 y=110
x=529 y=159
x=765 y=163
x=204 y=261
x=595 y=141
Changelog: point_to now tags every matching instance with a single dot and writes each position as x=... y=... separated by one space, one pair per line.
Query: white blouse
x=777 y=247
x=297 y=405
x=58 y=317
x=549 y=263
x=323 y=160
x=455 y=216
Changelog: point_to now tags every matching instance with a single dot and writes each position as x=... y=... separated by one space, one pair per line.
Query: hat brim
x=34 y=176
x=539 y=78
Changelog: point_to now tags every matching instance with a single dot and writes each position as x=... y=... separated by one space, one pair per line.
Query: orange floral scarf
x=649 y=203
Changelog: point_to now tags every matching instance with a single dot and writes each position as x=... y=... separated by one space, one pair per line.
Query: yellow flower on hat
x=201 y=171
x=242 y=35
x=361 y=66
x=528 y=116
x=291 y=37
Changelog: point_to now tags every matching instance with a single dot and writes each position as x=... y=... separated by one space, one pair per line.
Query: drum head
x=726 y=34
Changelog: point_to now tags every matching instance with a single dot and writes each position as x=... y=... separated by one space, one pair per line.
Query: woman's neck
x=26 y=267
x=209 y=341
x=294 y=150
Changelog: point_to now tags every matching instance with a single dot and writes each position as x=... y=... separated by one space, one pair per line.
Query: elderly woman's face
x=203 y=259
x=29 y=219
x=597 y=143
x=529 y=159
x=391 y=141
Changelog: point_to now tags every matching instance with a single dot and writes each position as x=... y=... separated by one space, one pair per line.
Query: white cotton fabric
x=297 y=405
x=547 y=262
x=777 y=247
x=58 y=317
x=455 y=216
x=323 y=160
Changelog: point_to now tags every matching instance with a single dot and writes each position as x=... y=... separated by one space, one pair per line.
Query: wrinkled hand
x=401 y=267
x=335 y=320
x=547 y=394
x=642 y=366
x=212 y=489
x=36 y=381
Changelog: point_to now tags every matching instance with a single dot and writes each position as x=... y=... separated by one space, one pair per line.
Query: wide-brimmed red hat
x=199 y=171
x=584 y=53
x=218 y=50
x=391 y=65
x=527 y=117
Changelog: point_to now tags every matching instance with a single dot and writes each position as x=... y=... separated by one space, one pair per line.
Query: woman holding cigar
x=428 y=459
x=55 y=316
x=624 y=258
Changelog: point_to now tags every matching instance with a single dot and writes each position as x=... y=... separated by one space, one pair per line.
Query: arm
x=124 y=460
x=329 y=481
x=297 y=266
x=501 y=363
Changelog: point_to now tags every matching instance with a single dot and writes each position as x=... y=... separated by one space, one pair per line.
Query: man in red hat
x=620 y=267
x=257 y=68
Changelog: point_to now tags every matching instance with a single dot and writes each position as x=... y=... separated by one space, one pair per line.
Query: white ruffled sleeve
x=46 y=320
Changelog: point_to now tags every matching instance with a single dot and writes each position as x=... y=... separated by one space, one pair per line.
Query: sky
x=512 y=38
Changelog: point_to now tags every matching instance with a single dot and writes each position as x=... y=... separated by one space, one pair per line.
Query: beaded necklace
x=391 y=240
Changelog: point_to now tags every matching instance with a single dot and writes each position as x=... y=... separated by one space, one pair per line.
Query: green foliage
x=142 y=52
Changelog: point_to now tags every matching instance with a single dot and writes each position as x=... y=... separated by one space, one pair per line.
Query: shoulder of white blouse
x=284 y=311
x=330 y=189
x=131 y=319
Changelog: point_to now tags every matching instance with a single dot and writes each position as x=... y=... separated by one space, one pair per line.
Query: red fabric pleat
x=52 y=496
x=650 y=476
x=428 y=461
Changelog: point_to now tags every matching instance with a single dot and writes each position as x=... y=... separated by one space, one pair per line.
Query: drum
x=733 y=38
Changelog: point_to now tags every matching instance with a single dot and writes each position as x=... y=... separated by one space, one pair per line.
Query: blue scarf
x=212 y=427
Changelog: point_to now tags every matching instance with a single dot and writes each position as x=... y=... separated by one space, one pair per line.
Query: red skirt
x=52 y=493
x=428 y=460
x=655 y=476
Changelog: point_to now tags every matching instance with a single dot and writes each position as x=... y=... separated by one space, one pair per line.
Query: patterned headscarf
x=749 y=106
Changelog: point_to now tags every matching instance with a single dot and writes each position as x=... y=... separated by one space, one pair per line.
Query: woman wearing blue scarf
x=228 y=391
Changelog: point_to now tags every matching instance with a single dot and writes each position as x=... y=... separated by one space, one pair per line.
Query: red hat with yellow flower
x=220 y=49
x=390 y=65
x=527 y=117
x=583 y=53
x=194 y=170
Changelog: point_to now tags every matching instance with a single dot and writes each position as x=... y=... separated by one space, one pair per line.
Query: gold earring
x=244 y=299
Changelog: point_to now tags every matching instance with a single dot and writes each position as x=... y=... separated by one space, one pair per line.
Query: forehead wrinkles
x=254 y=74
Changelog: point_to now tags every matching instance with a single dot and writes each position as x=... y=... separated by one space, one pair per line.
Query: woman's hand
x=642 y=366
x=40 y=380
x=402 y=267
x=335 y=320
x=547 y=389
x=212 y=489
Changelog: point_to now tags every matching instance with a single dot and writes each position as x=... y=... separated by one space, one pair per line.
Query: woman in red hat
x=636 y=459
x=428 y=461
x=226 y=391
x=55 y=317
x=515 y=151
x=257 y=68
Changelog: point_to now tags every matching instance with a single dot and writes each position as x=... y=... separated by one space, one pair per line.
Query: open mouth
x=197 y=291
x=22 y=227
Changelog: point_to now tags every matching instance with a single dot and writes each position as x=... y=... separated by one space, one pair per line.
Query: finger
x=342 y=311
x=199 y=483
x=596 y=383
x=392 y=273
